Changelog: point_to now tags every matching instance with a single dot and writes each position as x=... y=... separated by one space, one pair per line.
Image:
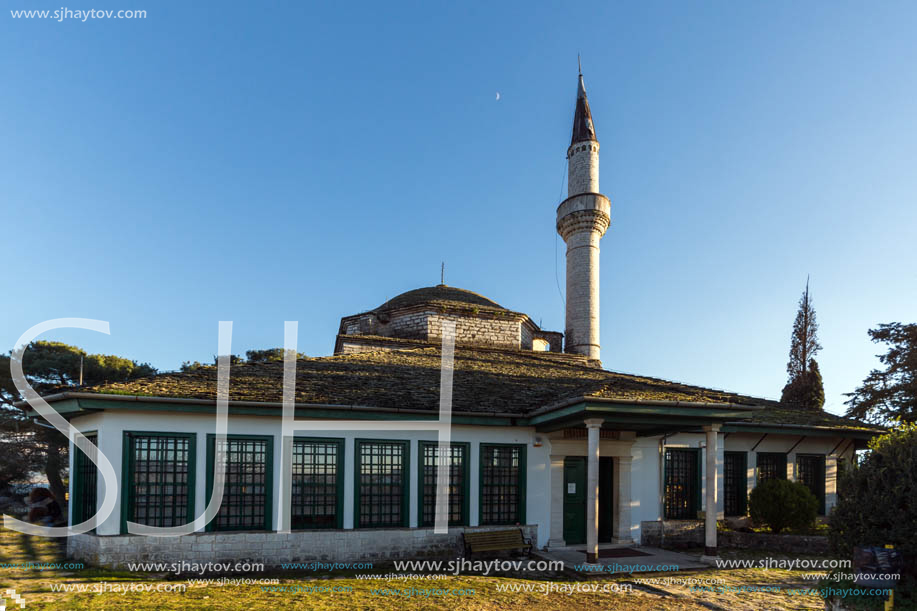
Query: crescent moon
x=498 y=96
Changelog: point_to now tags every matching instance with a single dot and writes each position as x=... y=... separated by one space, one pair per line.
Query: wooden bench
x=496 y=541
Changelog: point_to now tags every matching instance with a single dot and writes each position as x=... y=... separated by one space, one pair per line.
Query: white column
x=622 y=527
x=592 y=490
x=557 y=502
x=350 y=482
x=710 y=491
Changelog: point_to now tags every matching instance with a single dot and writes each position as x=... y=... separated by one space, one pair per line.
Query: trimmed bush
x=781 y=505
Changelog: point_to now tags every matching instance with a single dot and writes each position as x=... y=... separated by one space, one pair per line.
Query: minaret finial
x=579 y=62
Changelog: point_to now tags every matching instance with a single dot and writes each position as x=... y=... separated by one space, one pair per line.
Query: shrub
x=877 y=500
x=780 y=504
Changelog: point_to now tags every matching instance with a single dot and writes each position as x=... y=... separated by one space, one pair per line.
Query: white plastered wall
x=112 y=424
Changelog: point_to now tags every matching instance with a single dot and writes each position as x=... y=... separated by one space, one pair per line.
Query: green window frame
x=317 y=492
x=771 y=465
x=501 y=485
x=682 y=478
x=811 y=471
x=158 y=478
x=248 y=487
x=381 y=488
x=735 y=483
x=459 y=455
x=85 y=482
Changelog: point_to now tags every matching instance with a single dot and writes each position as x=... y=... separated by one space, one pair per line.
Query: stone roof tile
x=485 y=381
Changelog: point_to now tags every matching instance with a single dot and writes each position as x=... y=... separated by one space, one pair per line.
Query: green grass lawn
x=38 y=589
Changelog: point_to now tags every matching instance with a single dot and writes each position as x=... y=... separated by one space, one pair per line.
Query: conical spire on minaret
x=583 y=128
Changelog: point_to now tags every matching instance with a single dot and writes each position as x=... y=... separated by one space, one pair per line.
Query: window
x=810 y=470
x=318 y=483
x=502 y=484
x=771 y=465
x=85 y=482
x=159 y=479
x=457 y=460
x=247 y=487
x=682 y=484
x=381 y=483
x=735 y=483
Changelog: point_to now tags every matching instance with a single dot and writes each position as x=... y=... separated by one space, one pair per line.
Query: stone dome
x=440 y=293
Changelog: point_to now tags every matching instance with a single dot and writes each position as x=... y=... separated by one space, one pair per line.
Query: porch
x=592 y=463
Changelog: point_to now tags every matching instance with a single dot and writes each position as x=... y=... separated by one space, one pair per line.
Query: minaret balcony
x=583 y=212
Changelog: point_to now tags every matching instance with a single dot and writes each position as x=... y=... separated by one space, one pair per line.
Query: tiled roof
x=485 y=380
x=783 y=415
x=440 y=293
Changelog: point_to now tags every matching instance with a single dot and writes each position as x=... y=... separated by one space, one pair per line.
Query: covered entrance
x=586 y=486
x=575 y=500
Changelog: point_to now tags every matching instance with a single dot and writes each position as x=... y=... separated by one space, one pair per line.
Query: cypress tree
x=804 y=389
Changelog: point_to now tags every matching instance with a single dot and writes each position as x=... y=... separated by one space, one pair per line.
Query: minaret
x=582 y=219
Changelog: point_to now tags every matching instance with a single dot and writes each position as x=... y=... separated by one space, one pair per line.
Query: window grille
x=86 y=484
x=735 y=483
x=317 y=484
x=811 y=472
x=160 y=472
x=247 y=485
x=457 y=460
x=682 y=488
x=771 y=465
x=382 y=484
x=502 y=484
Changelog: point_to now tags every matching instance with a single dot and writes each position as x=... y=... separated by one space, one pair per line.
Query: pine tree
x=804 y=388
x=890 y=394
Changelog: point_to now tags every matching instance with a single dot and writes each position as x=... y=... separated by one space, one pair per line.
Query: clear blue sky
x=304 y=161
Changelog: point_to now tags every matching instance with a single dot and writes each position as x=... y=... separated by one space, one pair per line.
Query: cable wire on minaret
x=560 y=197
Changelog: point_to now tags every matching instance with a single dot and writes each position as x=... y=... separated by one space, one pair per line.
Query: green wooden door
x=575 y=500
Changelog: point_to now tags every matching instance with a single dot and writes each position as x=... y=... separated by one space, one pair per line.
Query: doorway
x=575 y=499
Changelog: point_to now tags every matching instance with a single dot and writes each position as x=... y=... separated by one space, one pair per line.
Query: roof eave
x=764 y=427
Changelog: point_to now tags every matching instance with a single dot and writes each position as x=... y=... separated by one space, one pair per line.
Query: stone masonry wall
x=273 y=548
x=477 y=331
x=482 y=330
x=791 y=544
x=672 y=533
x=525 y=337
x=583 y=168
x=582 y=319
